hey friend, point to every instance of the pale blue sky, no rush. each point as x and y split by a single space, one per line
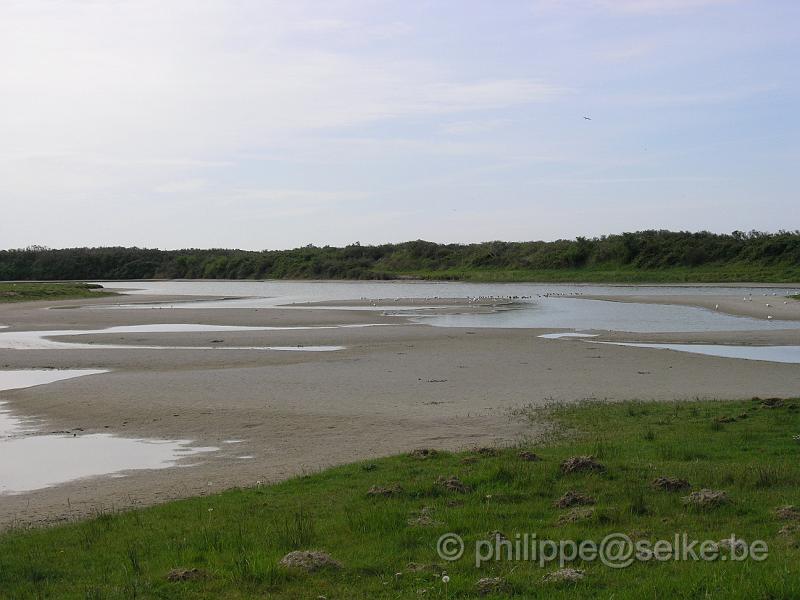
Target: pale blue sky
253 124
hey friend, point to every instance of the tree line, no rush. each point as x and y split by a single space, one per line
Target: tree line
642 250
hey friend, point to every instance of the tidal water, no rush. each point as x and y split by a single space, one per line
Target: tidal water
536 305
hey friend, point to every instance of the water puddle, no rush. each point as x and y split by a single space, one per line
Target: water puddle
29 461
37 462
559 336
41 340
778 354
15 380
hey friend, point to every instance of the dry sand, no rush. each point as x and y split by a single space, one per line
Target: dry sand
394 388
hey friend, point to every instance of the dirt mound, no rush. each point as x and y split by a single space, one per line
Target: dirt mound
497 536
423 453
486 451
385 491
576 515
424 518
413 567
453 484
490 585
706 498
788 513
581 464
186 575
773 403
565 575
571 498
309 560
727 544
529 456
670 484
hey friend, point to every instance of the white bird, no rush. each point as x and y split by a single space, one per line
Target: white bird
769 316
716 307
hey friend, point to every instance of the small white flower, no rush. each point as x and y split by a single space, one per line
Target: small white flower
446 579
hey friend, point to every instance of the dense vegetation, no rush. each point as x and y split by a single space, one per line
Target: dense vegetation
640 256
229 545
25 292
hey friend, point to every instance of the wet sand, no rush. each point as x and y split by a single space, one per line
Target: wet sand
394 388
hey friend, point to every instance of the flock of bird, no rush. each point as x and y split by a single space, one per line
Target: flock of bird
749 298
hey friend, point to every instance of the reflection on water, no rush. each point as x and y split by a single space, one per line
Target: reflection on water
780 354
29 461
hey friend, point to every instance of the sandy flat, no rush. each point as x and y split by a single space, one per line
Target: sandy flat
394 387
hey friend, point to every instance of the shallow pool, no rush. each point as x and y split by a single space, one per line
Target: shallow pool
601 315
779 354
30 460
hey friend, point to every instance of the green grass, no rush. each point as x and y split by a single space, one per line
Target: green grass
27 292
236 538
721 274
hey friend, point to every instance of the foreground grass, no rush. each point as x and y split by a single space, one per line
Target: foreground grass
720 274
26 292
237 538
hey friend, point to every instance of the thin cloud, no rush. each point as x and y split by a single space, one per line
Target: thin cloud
658 7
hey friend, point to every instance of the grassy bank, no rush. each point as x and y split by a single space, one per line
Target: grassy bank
722 274
26 292
386 544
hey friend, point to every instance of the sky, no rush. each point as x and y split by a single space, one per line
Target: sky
276 124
